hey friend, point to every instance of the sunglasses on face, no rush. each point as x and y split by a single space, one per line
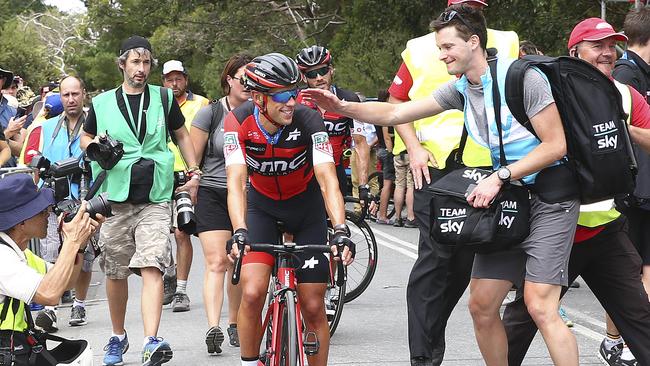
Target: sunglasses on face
285 96
313 74
448 16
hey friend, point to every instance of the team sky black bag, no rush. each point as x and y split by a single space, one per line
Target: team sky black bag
456 224
599 148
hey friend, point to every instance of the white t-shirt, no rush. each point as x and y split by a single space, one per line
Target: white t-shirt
365 129
17 279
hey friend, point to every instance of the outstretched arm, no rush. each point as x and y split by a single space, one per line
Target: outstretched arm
378 113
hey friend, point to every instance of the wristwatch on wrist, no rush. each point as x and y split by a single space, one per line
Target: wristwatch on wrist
504 174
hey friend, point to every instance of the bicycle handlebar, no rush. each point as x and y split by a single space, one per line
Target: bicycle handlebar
286 248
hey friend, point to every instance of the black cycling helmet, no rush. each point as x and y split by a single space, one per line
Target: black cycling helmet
273 70
312 56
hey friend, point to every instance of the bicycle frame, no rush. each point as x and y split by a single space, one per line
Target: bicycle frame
283 280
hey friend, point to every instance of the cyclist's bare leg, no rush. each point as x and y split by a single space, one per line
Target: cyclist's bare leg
486 296
312 306
216 264
254 284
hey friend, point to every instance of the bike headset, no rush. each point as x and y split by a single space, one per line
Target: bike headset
270 71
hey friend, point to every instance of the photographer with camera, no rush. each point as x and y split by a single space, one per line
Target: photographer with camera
57 139
140 184
24 277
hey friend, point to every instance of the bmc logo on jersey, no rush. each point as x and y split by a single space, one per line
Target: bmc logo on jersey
276 165
337 128
605 135
322 143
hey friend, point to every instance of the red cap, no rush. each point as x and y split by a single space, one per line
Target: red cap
593 29
454 2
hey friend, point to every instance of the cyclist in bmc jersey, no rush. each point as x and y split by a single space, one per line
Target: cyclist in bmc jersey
284 146
315 63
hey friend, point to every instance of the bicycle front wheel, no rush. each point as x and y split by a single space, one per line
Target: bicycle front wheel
289 345
361 271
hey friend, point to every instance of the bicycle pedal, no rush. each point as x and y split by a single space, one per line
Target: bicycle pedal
311 344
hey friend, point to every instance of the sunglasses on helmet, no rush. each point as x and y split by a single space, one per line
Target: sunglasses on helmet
313 74
284 96
450 15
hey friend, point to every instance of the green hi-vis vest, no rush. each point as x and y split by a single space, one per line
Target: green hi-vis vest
19 323
440 134
154 146
601 213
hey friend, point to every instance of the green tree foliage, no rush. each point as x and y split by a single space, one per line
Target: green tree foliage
366 37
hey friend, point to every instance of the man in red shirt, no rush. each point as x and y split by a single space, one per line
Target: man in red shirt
603 255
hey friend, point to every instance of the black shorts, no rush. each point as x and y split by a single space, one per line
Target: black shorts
212 210
303 216
388 167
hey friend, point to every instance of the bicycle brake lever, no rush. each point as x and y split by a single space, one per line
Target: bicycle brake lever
236 274
341 272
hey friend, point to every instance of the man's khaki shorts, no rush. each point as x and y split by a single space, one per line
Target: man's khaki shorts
136 237
403 175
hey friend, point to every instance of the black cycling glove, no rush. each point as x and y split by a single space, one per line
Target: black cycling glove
341 239
240 237
364 193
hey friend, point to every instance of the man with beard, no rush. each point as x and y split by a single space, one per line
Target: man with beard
176 78
140 185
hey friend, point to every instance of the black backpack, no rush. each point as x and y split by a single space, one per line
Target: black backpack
599 149
639 76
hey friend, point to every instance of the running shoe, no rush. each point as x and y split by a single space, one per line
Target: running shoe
78 316
156 352
398 223
410 223
114 351
610 356
181 303
629 359
565 318
214 338
233 335
46 320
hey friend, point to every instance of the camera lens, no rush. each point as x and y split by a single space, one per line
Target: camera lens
186 219
99 205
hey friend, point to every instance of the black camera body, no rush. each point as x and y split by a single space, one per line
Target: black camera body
185 216
107 152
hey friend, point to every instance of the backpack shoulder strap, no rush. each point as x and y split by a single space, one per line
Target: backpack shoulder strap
515 91
216 107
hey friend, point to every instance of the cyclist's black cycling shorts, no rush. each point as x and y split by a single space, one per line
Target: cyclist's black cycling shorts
304 216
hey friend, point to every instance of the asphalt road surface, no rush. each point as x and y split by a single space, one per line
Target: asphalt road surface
372 330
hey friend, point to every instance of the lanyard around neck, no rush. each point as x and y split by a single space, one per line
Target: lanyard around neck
272 139
128 109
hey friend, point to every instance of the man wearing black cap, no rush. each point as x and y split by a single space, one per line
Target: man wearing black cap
140 187
24 277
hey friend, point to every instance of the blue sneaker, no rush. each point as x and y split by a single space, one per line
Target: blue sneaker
156 352
114 351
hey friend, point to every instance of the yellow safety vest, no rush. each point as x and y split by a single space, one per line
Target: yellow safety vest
601 213
440 134
189 108
19 323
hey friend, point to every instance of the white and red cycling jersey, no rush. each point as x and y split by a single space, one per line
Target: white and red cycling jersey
281 165
338 126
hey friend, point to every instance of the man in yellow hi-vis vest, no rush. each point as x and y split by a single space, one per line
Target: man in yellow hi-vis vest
176 78
24 277
437 279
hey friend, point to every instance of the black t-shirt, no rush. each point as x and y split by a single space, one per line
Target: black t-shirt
175 118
